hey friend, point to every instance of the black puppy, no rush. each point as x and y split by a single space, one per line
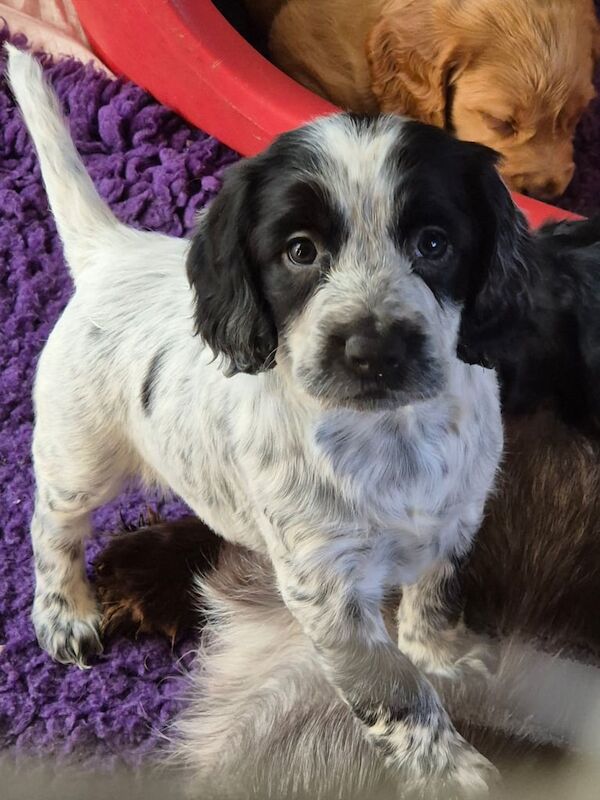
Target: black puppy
550 355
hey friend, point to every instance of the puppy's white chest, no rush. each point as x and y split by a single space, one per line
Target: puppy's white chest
421 479
394 461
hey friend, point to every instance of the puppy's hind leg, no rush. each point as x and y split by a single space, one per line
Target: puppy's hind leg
70 484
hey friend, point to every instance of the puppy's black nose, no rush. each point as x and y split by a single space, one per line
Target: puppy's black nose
373 357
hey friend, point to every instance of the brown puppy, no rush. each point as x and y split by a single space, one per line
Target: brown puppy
515 75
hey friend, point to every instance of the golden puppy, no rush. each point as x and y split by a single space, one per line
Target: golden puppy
515 75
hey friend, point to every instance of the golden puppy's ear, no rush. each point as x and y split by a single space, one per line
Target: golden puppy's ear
410 66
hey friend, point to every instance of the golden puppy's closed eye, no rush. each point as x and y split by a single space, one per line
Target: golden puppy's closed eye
515 75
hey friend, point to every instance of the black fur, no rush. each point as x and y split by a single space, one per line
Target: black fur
244 297
234 262
549 356
456 185
231 315
497 297
150 381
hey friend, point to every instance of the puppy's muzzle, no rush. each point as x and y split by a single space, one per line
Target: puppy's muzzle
379 359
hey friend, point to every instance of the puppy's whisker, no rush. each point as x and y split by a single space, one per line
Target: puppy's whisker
269 361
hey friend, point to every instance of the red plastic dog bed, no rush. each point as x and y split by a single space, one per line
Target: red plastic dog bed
189 57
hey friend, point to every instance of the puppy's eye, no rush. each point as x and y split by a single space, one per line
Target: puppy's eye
432 243
302 251
503 127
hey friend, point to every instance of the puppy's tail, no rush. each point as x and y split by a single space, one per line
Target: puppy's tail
81 216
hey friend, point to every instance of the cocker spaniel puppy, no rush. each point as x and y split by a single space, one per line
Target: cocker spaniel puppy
515 75
300 390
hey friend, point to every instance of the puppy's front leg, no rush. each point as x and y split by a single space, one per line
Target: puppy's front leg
336 598
65 615
74 475
430 627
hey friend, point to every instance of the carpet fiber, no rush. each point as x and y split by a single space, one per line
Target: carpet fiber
155 171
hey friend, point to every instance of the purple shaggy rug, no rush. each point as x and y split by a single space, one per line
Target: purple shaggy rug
156 172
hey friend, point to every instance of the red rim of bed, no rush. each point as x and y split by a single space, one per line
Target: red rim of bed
190 58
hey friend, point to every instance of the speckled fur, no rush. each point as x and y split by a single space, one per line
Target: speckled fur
347 498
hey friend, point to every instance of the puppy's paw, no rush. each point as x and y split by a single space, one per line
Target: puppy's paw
454 654
431 760
479 662
470 774
68 629
452 770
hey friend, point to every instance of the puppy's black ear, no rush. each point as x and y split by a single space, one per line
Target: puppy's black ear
231 313
498 298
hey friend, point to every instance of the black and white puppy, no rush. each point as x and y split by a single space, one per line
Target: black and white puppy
304 396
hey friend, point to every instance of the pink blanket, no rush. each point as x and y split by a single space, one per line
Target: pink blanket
50 25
